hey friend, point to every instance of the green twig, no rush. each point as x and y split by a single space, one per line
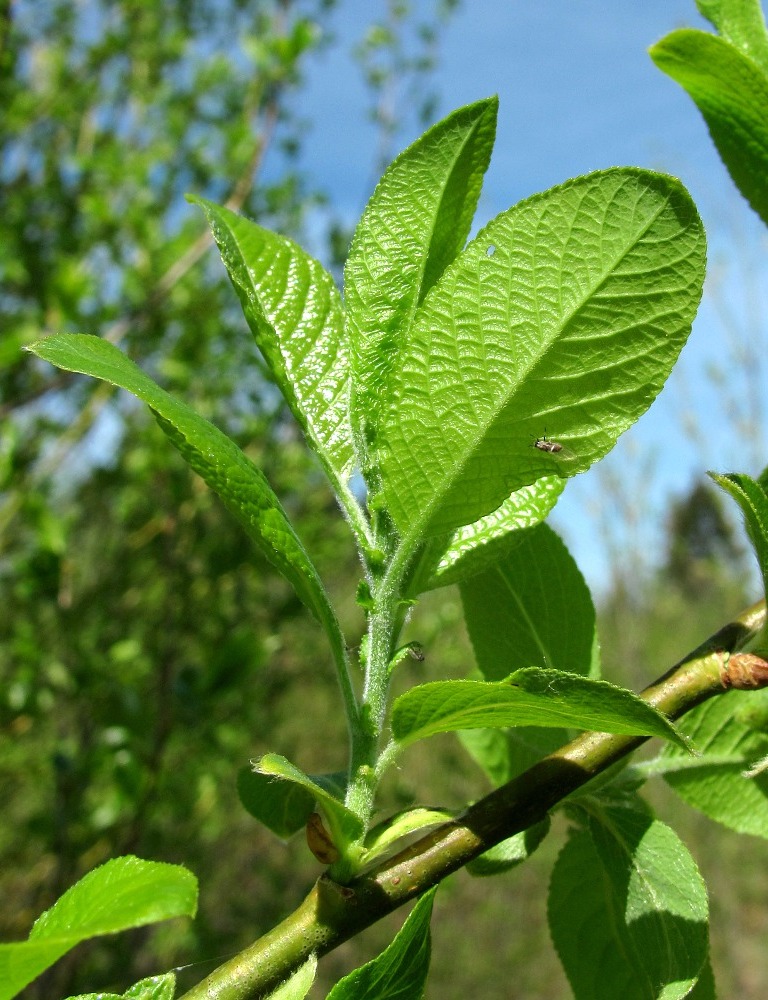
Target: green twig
332 913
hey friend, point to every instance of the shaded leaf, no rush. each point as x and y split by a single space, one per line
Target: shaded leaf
534 607
123 893
527 697
401 970
628 910
282 806
511 852
345 826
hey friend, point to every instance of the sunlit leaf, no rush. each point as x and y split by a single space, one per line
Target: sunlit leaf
123 893
416 222
731 92
563 317
528 697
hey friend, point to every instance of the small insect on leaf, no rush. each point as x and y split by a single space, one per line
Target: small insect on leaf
545 444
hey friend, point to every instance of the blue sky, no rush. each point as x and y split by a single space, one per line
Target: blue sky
578 92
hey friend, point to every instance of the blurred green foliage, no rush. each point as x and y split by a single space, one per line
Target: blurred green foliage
146 652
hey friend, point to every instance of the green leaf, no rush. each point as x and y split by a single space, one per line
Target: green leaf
532 608
300 983
154 988
217 459
628 910
324 789
753 501
728 747
511 852
741 23
416 222
563 317
731 92
474 547
400 971
294 311
282 806
530 696
123 893
386 834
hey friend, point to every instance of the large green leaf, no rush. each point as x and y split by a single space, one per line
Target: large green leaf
294 310
528 697
400 971
217 459
416 222
474 547
741 23
123 893
628 910
728 747
563 317
731 92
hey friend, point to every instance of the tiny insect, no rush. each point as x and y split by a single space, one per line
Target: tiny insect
544 444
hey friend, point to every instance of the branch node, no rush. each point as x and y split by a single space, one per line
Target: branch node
744 672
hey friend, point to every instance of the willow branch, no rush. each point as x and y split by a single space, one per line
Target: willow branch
333 913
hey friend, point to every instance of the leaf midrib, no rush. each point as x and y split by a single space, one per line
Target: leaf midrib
415 531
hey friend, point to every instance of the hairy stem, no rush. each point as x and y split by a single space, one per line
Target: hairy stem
332 913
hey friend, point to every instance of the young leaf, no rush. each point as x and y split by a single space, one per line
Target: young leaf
282 806
731 92
300 983
213 456
533 607
294 311
324 789
123 893
741 23
563 316
474 547
511 852
153 988
528 697
400 971
728 747
628 910
753 501
414 225
385 834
